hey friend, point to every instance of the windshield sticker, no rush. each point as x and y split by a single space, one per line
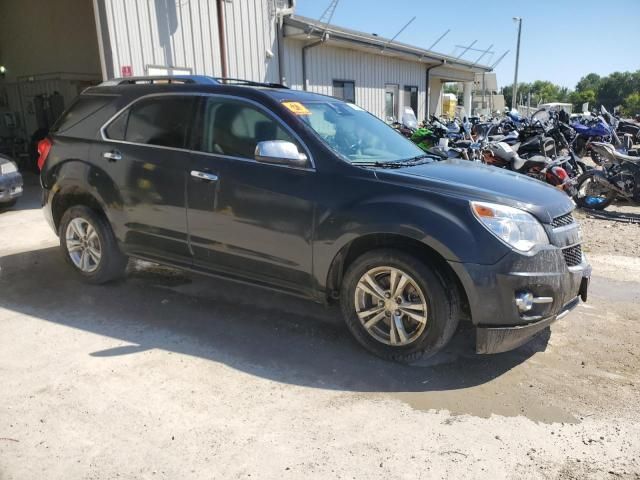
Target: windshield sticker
297 108
355 107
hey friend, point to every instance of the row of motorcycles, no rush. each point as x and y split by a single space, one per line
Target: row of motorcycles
549 146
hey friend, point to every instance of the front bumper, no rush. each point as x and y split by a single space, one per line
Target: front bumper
503 339
10 187
492 289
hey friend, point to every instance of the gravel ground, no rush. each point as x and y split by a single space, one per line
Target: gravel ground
612 241
167 375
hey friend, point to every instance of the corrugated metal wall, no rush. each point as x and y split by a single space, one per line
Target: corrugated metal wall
369 72
184 34
178 33
252 51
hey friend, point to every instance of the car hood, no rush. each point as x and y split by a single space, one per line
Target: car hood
473 181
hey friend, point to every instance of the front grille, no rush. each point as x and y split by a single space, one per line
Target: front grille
572 255
562 220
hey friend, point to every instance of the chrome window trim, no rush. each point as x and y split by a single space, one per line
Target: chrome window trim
217 95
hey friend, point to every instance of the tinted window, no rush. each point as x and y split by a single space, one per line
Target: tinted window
411 98
117 128
234 128
344 90
81 108
160 121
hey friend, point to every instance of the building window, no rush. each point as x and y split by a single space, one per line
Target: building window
345 90
391 104
411 98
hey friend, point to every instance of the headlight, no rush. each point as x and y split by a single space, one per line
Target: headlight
7 168
514 227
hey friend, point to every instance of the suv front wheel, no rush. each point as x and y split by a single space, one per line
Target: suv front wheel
89 245
398 307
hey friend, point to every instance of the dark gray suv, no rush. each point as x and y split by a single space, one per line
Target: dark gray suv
309 195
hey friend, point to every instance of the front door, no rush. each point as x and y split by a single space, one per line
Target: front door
247 218
146 156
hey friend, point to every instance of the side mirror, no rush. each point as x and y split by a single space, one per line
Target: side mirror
280 152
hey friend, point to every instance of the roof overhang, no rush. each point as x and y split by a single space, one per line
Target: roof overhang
305 29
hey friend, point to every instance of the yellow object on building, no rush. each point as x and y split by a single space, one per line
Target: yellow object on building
449 104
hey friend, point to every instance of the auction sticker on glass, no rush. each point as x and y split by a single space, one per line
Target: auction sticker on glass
297 108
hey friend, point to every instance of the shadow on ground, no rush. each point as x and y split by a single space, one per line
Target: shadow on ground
262 333
625 217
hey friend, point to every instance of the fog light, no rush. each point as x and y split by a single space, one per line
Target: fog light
524 301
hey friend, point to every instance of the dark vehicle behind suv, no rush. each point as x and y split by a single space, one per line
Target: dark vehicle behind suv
312 196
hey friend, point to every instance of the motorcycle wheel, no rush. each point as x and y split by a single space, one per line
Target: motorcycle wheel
591 195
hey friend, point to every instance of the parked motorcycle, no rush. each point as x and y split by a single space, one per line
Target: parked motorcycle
619 177
542 168
600 128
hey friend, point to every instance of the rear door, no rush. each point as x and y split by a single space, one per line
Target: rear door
146 156
248 218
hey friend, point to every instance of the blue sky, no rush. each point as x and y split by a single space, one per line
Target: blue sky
562 40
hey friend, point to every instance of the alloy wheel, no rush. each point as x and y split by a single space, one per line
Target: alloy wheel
83 245
391 306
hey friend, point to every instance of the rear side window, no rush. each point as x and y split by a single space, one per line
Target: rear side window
83 107
163 121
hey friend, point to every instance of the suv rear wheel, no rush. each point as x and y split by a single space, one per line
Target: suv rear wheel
397 307
89 245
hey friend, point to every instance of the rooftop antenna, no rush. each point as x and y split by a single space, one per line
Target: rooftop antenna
396 35
325 19
430 49
473 49
438 40
467 48
483 54
499 59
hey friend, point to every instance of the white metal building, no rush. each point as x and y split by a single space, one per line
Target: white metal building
263 40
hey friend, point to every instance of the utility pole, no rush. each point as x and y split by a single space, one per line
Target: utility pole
514 98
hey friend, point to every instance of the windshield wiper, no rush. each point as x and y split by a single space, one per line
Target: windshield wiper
410 162
407 162
416 160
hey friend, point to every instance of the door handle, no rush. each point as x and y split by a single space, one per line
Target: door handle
209 177
112 156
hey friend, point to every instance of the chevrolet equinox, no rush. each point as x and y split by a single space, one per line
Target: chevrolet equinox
310 195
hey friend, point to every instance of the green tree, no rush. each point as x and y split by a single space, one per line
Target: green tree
589 82
619 88
615 88
507 92
578 98
631 105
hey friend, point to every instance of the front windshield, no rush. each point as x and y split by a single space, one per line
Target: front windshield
541 116
355 134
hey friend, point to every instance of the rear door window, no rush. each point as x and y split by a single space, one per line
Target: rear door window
164 121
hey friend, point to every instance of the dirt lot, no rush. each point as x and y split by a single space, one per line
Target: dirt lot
168 375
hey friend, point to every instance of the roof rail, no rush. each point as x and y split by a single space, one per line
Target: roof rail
248 83
187 79
181 79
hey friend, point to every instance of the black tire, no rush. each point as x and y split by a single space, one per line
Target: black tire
443 309
112 262
583 201
9 204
